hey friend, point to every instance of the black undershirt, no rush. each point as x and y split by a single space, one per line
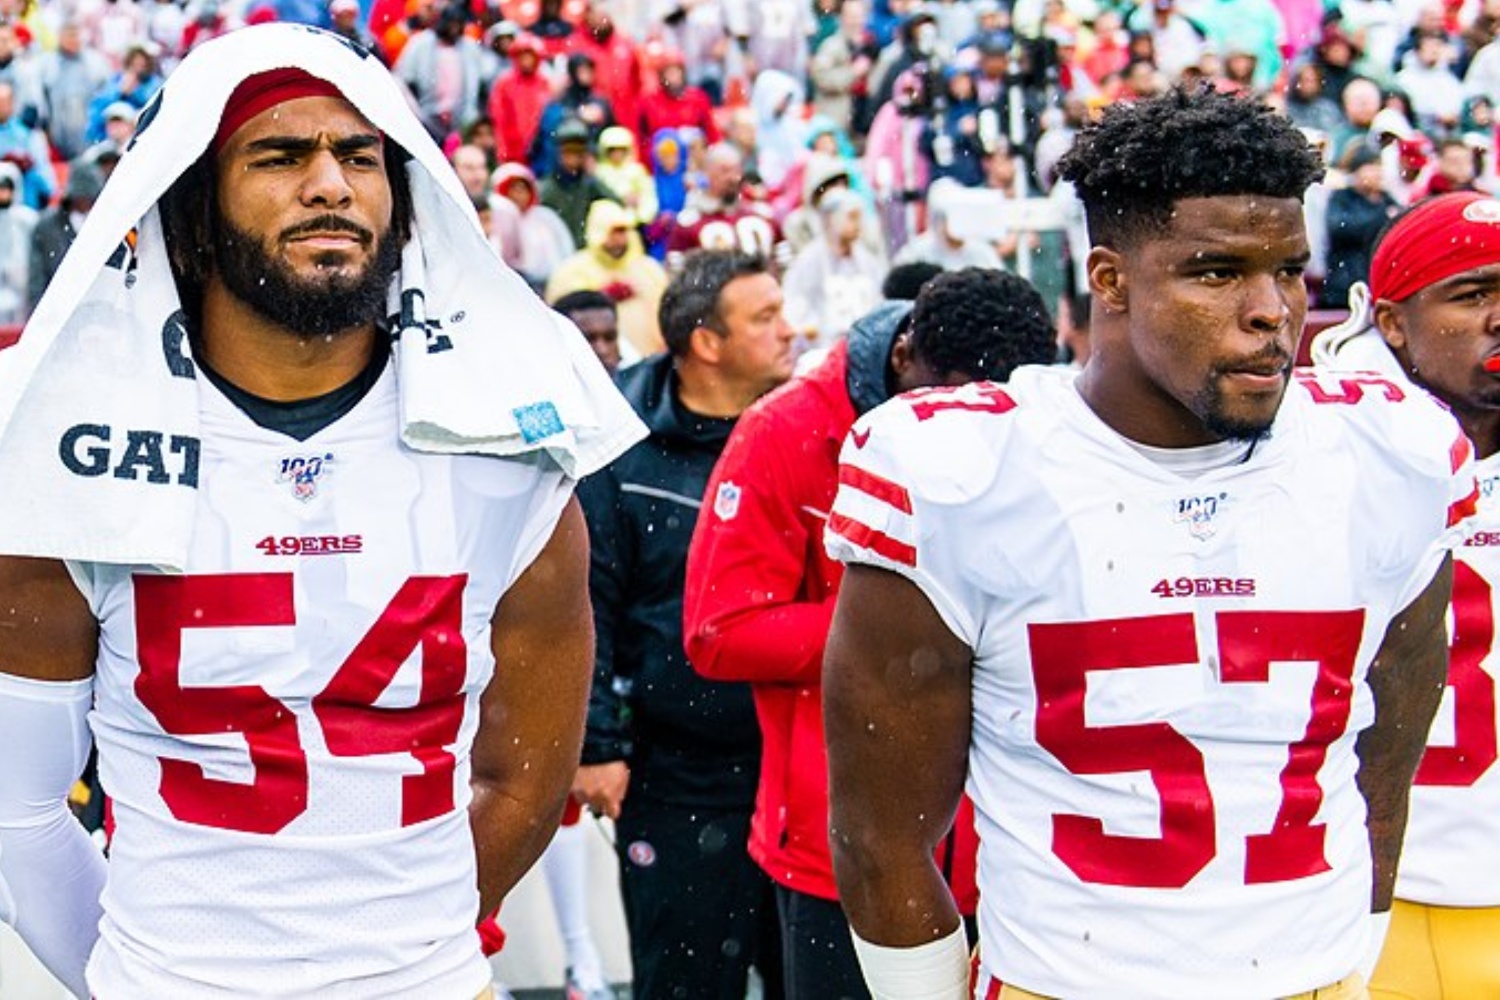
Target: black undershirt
300 419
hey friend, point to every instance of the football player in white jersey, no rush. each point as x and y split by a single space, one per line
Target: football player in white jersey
1177 619
411 700
1434 290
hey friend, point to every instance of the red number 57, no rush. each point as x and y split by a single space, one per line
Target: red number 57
426 614
1062 656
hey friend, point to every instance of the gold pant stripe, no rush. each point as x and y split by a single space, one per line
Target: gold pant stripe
1349 988
1439 953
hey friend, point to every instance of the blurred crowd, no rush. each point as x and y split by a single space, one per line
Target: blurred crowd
602 139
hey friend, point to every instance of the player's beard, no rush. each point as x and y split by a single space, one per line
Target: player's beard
1209 407
331 301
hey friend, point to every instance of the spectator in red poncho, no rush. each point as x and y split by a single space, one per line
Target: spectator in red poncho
518 98
617 64
674 104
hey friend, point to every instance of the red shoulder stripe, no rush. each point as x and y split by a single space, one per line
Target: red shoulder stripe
1467 507
878 487
876 541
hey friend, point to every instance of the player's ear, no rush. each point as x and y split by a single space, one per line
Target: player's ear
1107 279
1390 323
706 344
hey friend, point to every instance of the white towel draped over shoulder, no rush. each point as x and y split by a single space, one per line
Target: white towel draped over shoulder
98 400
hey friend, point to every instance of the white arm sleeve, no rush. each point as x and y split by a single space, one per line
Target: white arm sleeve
938 970
51 875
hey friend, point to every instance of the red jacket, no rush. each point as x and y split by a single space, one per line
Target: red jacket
661 110
759 602
515 106
758 605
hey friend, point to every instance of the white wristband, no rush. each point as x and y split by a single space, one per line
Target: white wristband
938 970
1378 925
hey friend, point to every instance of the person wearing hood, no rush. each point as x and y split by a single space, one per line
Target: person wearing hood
671 757
26 147
676 103
780 131
581 101
669 169
1356 215
916 47
571 188
617 73
818 175
16 225
825 142
621 171
613 261
533 238
58 226
951 139
761 588
696 31
517 99
835 279
319 790
943 243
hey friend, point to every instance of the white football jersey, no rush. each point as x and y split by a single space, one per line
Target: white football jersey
1451 856
285 728
1168 672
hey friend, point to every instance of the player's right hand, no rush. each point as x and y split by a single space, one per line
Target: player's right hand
600 788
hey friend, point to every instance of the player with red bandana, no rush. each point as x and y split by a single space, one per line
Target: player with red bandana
1430 315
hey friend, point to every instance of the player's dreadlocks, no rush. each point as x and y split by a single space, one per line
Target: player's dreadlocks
981 322
1139 159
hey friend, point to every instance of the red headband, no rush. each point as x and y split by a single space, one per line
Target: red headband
266 90
1441 237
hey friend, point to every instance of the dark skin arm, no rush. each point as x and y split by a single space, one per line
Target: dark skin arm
47 632
896 702
1407 678
532 713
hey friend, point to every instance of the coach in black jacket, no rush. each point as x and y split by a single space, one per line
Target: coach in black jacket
672 757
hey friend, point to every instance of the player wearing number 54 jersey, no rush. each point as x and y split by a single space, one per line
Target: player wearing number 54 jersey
1431 316
331 633
1174 617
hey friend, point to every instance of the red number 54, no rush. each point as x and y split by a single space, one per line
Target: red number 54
426 614
1062 656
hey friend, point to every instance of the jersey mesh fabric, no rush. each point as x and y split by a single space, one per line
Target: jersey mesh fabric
1109 680
1452 852
353 892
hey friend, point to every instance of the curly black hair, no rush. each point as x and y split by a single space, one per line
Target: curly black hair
982 322
1139 159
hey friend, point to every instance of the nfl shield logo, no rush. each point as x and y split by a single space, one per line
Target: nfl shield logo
727 501
303 472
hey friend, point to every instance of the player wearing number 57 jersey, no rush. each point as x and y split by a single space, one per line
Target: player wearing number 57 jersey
1433 308
1174 617
336 674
